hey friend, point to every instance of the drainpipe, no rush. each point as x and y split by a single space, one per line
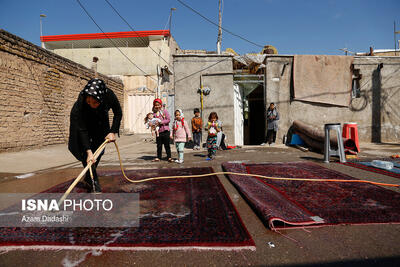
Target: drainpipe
94 66
158 83
201 96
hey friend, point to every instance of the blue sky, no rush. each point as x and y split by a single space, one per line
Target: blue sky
293 27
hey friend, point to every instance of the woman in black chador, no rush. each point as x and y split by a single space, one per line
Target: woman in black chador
89 125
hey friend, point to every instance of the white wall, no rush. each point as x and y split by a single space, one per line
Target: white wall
113 62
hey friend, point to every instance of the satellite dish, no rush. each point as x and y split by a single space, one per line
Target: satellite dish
269 49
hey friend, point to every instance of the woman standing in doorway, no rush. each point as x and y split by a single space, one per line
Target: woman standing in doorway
164 133
272 121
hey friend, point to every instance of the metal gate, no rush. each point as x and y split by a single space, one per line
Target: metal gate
238 114
138 107
171 108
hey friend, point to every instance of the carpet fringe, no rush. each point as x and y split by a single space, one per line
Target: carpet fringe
103 248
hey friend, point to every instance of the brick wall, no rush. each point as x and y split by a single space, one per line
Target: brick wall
37 91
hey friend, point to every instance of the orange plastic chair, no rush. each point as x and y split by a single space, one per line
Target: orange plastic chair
350 131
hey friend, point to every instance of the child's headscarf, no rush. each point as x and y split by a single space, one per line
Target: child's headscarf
157 100
181 112
182 120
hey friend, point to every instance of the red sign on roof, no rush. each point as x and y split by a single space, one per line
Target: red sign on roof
107 35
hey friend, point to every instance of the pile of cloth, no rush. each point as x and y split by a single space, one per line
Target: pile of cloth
314 138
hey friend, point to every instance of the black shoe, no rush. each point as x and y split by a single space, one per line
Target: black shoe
88 184
97 187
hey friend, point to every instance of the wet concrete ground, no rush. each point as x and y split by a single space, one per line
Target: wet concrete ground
350 245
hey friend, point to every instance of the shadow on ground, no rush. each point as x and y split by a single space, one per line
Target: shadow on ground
148 158
315 159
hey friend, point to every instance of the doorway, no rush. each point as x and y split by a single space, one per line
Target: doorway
253 103
255 122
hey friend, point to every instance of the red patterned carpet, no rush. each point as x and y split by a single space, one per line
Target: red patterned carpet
174 214
395 172
285 204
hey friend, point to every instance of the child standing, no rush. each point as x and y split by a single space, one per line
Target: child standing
150 120
179 133
212 128
197 124
272 121
164 133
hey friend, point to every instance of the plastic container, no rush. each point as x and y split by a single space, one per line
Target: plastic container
387 165
296 140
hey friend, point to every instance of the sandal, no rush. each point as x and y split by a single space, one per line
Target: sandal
156 159
170 160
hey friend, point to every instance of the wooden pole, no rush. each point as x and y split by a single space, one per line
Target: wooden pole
219 29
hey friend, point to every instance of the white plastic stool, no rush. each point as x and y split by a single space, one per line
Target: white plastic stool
327 144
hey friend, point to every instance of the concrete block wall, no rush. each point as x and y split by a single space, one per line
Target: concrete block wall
217 75
376 111
37 91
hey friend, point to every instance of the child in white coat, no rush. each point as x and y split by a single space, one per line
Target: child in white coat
180 134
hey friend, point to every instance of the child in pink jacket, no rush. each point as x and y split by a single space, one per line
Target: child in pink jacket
180 133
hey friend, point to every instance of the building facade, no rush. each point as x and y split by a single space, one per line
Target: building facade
138 58
374 108
212 73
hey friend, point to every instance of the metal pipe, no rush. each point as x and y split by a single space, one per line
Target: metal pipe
158 83
218 73
244 81
41 28
249 75
170 24
201 96
394 36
